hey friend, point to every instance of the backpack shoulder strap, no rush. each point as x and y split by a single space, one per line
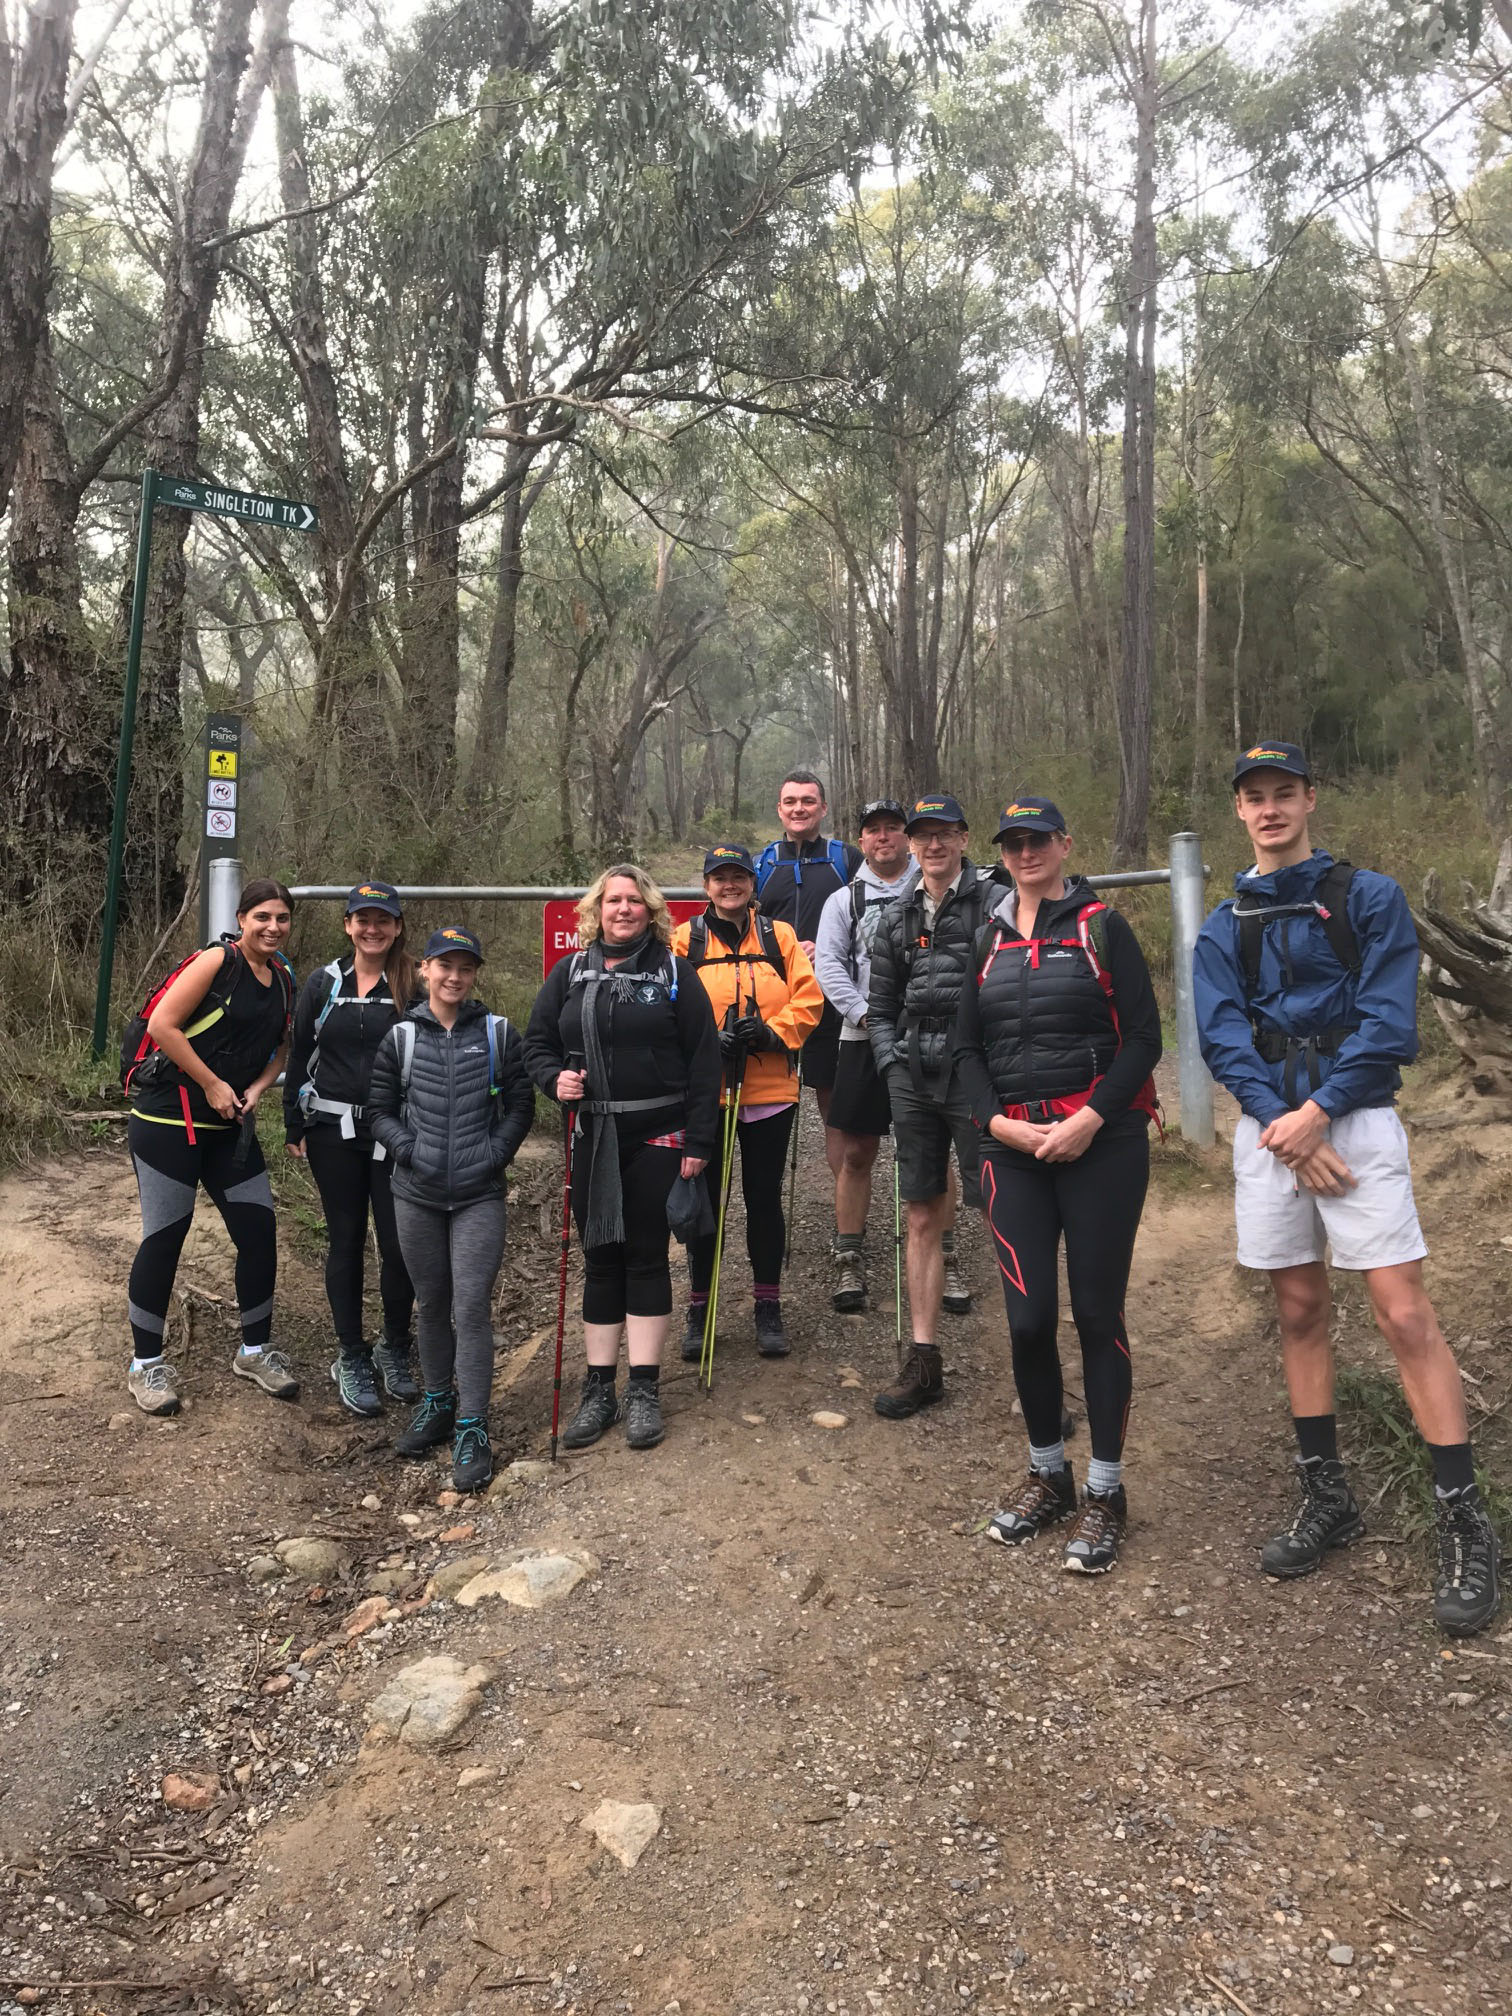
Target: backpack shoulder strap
766 861
698 939
1251 924
771 945
404 1043
857 900
335 973
1092 930
837 859
1333 913
498 1035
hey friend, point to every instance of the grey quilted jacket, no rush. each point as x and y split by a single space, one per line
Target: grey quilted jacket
456 1128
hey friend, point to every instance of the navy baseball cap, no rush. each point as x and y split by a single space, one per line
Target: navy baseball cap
728 855
937 805
453 938
375 896
1031 815
1273 756
880 808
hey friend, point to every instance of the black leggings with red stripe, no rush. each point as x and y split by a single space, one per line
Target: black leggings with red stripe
1095 1202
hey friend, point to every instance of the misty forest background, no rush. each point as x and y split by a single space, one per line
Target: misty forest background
1049 395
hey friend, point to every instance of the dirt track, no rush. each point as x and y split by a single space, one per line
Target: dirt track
898 1769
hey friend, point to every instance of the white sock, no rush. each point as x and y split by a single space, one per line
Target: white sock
1104 1478
1049 1461
251 1350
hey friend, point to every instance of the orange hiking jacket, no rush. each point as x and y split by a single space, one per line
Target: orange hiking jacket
792 1006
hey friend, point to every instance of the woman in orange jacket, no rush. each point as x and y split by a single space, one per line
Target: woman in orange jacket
766 1001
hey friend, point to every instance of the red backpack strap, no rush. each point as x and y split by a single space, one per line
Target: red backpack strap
1088 944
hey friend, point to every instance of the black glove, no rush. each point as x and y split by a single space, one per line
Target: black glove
756 1034
729 1045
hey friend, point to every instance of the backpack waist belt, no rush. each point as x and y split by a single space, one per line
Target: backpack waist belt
344 1111
629 1105
1045 1112
1276 1047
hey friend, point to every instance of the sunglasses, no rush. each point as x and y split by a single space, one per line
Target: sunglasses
1022 843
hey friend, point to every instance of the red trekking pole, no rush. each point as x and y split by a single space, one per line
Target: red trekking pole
569 1116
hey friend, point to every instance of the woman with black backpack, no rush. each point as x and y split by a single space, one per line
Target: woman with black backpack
345 1010
214 1041
1057 1034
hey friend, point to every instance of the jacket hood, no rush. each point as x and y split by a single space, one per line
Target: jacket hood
1286 885
896 886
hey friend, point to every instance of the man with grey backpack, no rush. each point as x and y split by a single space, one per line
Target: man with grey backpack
451 1103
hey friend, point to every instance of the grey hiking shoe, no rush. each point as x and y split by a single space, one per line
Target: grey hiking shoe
956 1298
595 1416
1467 1594
848 1297
1092 1548
472 1455
392 1364
354 1381
1327 1517
1043 1499
642 1416
154 1386
268 1369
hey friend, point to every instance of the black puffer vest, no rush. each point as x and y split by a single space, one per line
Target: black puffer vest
917 976
1047 1023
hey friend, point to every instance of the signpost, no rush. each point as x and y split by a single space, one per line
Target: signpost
559 938
278 514
223 751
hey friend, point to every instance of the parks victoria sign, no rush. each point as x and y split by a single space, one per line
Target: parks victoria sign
282 514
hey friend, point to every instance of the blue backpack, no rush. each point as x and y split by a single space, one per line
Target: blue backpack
771 854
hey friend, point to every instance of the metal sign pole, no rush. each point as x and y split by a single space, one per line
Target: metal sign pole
123 764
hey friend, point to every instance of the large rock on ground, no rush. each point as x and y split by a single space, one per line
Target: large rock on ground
454 1575
312 1560
625 1830
531 1577
428 1702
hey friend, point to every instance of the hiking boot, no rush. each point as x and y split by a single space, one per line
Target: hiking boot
391 1362
154 1386
693 1333
596 1415
1468 1594
771 1338
356 1385
268 1369
433 1422
642 1415
1327 1517
1043 1499
849 1295
956 1299
1092 1547
920 1383
472 1455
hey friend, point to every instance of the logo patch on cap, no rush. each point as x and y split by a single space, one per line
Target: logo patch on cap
1266 756
1022 811
929 805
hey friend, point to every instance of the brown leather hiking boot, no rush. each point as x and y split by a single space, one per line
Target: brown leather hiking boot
920 1383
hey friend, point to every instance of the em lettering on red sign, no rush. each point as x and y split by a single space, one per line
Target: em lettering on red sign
559 938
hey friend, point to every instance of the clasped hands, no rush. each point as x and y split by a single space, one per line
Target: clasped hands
1300 1140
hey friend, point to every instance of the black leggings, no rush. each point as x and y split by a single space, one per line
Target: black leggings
1096 1202
631 1278
763 1153
350 1182
169 1172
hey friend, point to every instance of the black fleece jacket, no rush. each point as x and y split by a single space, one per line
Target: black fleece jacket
450 1137
654 1046
343 1053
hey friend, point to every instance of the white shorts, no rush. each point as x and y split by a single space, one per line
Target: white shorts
1281 1224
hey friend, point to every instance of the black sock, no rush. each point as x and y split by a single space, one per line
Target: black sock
1453 1466
1317 1437
645 1375
601 1375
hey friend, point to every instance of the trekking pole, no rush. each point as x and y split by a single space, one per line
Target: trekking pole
726 1174
787 1244
569 1117
897 1253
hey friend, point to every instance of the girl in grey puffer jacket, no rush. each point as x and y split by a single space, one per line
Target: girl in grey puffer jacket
451 1102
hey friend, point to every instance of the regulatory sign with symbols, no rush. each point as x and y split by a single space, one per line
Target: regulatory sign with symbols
559 939
223 734
281 514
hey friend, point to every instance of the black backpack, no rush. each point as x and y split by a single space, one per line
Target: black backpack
766 934
1330 906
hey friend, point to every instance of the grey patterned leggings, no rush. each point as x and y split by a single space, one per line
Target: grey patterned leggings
453 1258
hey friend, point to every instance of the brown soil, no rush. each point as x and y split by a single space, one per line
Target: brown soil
898 1769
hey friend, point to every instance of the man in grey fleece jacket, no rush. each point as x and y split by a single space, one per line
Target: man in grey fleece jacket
859 1114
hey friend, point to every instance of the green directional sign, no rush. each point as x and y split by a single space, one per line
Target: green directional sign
282 514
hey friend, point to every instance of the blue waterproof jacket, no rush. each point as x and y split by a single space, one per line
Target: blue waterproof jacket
1304 990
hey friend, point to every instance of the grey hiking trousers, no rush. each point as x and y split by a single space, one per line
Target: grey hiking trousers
453 1258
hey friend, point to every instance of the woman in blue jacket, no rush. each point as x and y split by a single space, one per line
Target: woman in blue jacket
451 1103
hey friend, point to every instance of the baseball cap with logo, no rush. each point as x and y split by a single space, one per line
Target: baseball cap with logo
454 938
728 854
1031 815
1272 756
375 896
880 808
937 805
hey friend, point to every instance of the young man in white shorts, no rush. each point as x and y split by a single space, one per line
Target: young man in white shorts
1306 985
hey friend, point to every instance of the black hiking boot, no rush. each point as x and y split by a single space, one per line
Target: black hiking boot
771 1338
1327 1517
1092 1545
1468 1593
594 1418
472 1455
355 1384
1043 1499
642 1415
392 1364
920 1384
433 1423
693 1333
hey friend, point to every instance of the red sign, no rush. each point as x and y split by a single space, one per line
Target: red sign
559 938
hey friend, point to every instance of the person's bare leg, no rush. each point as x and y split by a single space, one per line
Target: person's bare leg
1304 1305
926 1263
601 1342
1430 1377
645 1337
851 1158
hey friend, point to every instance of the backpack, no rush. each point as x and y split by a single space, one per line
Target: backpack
771 854
981 895
1331 908
138 1048
766 934
404 1043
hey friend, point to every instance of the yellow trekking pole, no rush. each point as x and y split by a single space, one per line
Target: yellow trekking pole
731 1118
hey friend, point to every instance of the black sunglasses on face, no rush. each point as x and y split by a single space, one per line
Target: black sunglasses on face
1019 843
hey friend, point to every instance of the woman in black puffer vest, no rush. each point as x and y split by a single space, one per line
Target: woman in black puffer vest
451 1102
1057 1035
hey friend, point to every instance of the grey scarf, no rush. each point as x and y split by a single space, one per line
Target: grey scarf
604 1220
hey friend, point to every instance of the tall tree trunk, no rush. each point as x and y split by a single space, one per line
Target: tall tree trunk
1136 679
33 111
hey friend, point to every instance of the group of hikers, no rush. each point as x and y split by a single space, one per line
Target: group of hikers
1005 1018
